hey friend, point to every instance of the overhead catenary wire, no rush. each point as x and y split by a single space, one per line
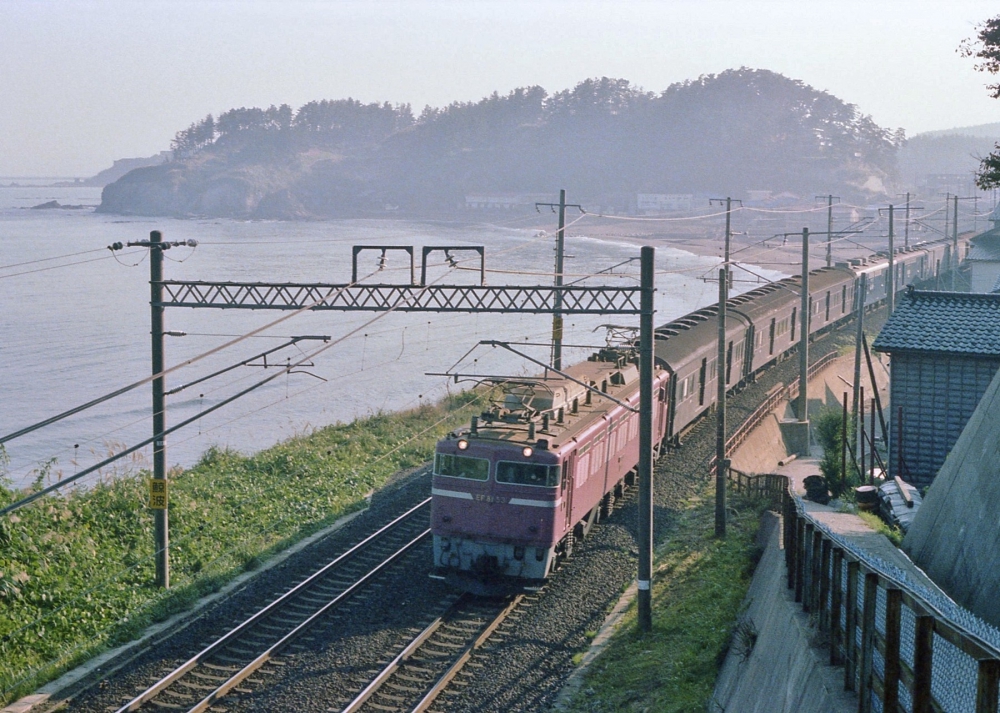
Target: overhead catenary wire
159 436
56 267
237 338
315 386
148 379
49 259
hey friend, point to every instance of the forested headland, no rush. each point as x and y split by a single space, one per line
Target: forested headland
604 140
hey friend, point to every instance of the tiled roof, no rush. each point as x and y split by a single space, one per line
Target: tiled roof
986 251
952 322
996 287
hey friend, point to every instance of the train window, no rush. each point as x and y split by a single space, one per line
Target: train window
461 467
701 382
544 476
599 456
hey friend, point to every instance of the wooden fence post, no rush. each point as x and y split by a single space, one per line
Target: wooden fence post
815 561
851 627
836 599
987 683
824 585
892 670
800 559
807 567
866 665
791 525
923 659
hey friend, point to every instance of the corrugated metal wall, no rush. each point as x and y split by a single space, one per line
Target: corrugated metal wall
938 395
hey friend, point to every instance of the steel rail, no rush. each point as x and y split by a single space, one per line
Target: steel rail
198 658
442 683
288 638
419 641
393 666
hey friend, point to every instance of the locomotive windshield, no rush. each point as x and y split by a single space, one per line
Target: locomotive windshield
462 467
528 474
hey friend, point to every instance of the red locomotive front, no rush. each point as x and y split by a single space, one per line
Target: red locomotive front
508 492
494 511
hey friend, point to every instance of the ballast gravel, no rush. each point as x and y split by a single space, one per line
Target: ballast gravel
521 668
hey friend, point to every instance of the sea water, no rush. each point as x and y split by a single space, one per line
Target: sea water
75 324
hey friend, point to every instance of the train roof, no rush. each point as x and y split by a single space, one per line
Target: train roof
622 384
765 299
683 339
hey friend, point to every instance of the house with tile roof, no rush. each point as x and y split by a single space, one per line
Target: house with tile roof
944 350
984 257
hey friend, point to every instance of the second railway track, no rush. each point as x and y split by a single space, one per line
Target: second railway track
415 678
209 675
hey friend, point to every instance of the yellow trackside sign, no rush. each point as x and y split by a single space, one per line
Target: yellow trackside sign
157 494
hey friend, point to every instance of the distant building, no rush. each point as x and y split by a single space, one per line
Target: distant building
505 201
664 202
984 256
944 349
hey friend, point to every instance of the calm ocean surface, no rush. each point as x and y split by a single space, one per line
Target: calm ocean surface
74 324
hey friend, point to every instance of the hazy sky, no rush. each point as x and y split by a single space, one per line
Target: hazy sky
85 82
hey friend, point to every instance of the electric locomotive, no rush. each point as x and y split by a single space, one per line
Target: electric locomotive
510 492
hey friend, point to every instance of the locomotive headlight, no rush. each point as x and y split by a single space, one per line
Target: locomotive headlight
462 444
527 451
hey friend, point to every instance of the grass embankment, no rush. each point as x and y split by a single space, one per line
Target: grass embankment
698 585
76 571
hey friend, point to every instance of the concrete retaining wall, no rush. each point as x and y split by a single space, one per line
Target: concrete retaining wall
783 672
786 670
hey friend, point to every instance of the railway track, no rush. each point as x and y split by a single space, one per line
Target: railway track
208 676
423 670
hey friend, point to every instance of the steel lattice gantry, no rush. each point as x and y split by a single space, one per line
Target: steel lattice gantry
508 299
403 298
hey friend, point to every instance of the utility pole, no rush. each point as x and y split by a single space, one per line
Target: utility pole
951 263
891 280
906 226
729 232
160 515
859 394
804 343
890 275
954 247
721 463
829 228
645 573
557 319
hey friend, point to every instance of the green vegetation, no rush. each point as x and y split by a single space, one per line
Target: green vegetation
76 571
829 433
698 585
337 158
985 48
876 523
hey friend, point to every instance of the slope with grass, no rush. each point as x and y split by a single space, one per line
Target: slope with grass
76 571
